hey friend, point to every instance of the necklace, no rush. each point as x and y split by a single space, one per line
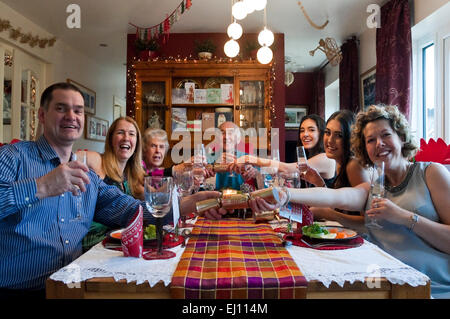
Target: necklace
404 180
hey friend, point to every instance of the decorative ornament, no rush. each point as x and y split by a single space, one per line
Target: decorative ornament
16 34
163 28
331 50
309 19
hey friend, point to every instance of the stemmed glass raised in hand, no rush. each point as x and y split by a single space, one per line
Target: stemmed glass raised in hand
184 180
82 159
158 200
198 167
376 191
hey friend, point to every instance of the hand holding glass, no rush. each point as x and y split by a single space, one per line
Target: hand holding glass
377 191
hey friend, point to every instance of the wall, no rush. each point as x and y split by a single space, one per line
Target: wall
62 62
300 92
367 47
181 45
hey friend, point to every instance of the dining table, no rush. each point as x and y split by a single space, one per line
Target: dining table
238 259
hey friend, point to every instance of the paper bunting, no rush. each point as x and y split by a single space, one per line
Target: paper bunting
163 28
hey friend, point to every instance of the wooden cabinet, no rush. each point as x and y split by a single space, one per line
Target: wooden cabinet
174 94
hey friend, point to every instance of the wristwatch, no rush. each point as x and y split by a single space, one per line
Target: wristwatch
414 220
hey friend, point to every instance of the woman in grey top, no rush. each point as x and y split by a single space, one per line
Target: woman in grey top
414 214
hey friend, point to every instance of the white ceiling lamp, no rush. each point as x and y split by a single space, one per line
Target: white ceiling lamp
234 30
260 4
266 37
249 5
239 10
231 48
264 55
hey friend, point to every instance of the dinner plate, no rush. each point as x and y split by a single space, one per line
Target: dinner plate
350 234
116 235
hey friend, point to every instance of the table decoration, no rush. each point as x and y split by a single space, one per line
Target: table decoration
232 258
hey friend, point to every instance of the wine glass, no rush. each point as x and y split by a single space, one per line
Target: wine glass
158 200
185 183
269 174
301 160
198 167
376 191
78 198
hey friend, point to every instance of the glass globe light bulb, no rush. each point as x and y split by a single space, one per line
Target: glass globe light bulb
260 4
264 55
266 37
234 31
249 6
238 10
231 48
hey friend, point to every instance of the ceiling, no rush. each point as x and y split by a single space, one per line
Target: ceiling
107 21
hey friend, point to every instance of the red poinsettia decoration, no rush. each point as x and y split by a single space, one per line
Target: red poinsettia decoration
435 151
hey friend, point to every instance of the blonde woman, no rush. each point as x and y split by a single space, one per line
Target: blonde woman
120 165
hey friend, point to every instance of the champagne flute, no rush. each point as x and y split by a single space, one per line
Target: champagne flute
301 160
158 200
78 196
185 182
376 191
198 170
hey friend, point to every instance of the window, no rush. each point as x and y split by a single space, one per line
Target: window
429 89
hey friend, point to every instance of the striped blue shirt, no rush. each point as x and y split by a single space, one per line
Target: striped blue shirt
38 237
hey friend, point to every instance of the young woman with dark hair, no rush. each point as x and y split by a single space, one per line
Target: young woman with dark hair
349 171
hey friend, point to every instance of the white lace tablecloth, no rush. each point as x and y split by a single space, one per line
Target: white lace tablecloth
326 266
354 264
102 262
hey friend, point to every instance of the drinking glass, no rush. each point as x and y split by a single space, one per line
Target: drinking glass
376 191
269 174
158 200
199 156
301 160
78 198
185 184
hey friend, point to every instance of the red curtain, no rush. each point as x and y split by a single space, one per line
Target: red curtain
394 56
349 76
318 105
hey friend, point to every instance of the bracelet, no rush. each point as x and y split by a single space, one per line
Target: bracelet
414 220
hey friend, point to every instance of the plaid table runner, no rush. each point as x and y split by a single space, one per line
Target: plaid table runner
233 258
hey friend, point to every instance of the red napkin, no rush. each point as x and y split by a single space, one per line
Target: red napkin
133 237
351 243
433 151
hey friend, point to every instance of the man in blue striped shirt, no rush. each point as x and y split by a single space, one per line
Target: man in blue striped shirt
43 214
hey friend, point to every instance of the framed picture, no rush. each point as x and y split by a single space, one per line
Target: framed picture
96 128
88 95
293 115
7 102
368 88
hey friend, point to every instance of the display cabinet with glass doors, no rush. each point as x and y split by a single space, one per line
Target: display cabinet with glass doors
186 98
